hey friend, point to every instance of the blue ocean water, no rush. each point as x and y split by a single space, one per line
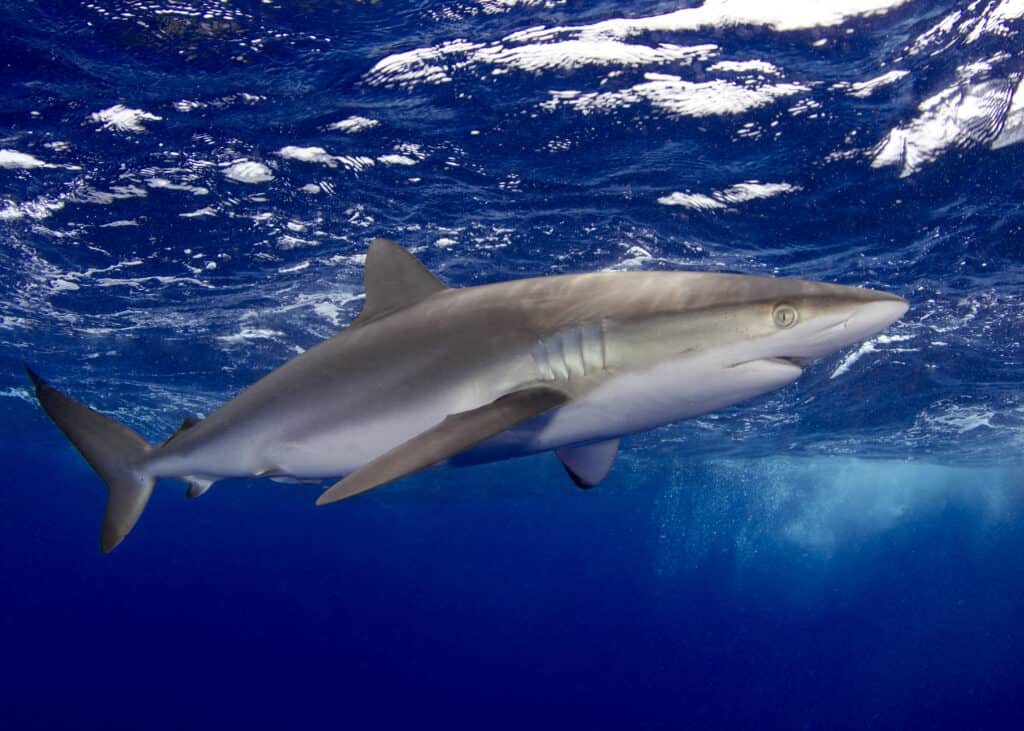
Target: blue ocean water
187 190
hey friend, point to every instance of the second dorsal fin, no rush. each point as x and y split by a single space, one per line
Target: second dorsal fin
393 279
187 423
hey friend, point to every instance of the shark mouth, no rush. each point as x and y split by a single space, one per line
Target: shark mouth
783 360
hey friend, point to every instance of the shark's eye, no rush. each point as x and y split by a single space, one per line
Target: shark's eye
785 316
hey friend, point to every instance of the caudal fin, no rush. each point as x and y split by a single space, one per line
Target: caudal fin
110 448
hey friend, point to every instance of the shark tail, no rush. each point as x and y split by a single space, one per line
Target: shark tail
112 449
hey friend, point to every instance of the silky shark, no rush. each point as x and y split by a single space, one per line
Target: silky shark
429 375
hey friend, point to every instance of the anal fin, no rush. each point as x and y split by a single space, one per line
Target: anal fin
455 434
589 464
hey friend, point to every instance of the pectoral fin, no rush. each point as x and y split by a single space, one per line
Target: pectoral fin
456 433
589 464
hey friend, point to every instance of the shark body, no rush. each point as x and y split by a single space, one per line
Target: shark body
434 376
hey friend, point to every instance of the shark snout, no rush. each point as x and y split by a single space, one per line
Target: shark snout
860 322
873 317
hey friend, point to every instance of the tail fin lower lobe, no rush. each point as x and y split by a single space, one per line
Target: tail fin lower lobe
110 448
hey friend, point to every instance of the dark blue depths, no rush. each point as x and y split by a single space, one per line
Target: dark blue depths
466 607
843 554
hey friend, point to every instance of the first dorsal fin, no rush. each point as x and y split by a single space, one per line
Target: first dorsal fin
394 279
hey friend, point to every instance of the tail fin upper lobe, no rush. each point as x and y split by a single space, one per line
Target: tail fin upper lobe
110 448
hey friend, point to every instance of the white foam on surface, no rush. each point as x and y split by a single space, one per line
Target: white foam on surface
696 201
36 209
329 311
677 97
1009 10
319 156
200 213
635 257
952 418
744 67
302 265
308 154
575 54
188 105
721 199
431 65
941 32
780 16
354 124
18 393
14 160
248 334
755 190
64 281
493 7
288 242
165 184
436 64
689 99
967 28
864 89
120 118
396 159
984 107
148 280
248 171
996 21
95 196
962 115
1012 132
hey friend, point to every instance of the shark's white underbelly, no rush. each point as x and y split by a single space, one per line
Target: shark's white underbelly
637 401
